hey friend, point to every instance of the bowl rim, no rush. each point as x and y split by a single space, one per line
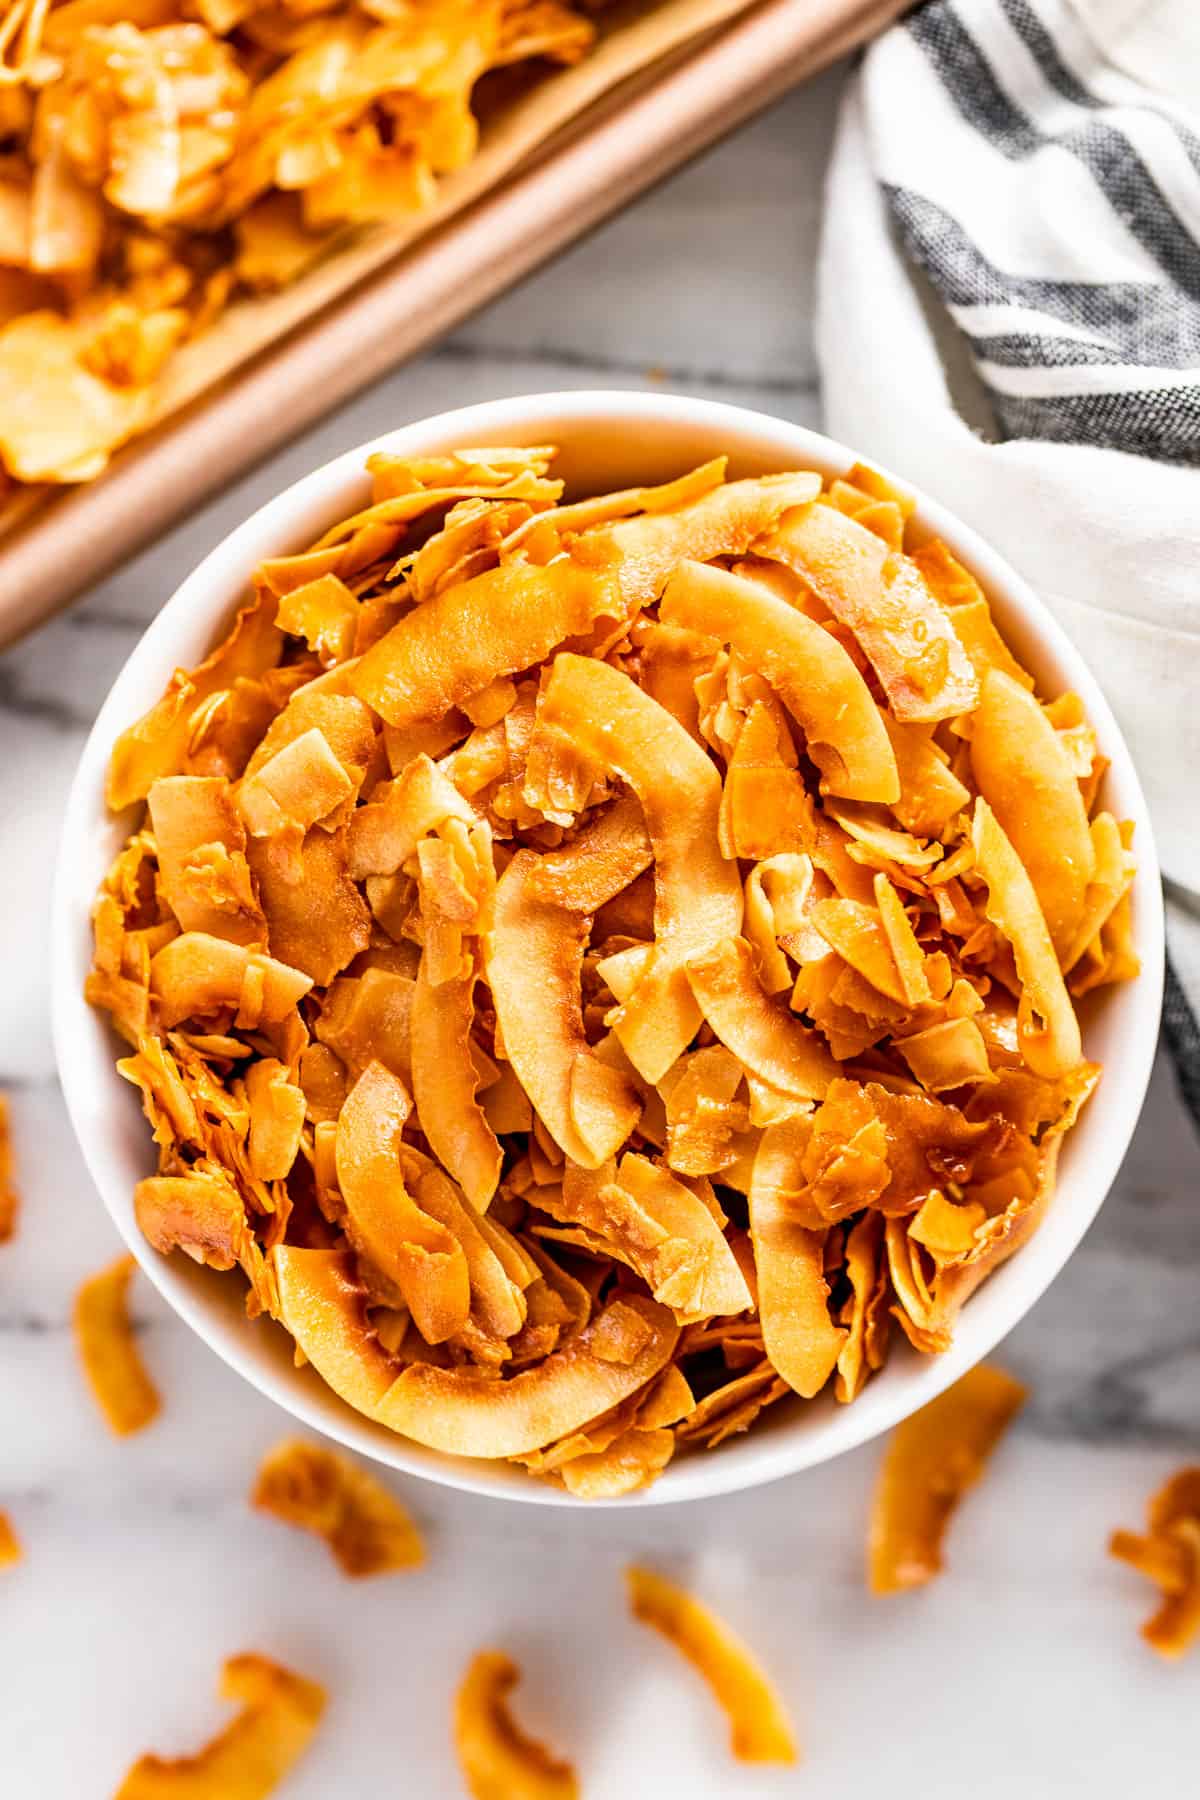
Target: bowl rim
210 591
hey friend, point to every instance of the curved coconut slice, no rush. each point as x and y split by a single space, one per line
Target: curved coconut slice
1053 1046
800 1338
766 1038
497 1291
202 869
423 1257
609 852
725 522
445 1081
697 896
1024 773
324 1306
497 1757
806 665
660 1229
196 974
503 621
881 595
588 1107
158 743
465 1414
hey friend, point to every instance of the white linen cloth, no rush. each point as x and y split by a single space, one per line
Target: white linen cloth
1009 313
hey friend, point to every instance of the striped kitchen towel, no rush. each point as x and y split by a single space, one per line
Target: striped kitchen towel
1009 313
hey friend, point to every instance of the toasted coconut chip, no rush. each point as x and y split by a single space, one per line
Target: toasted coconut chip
660 1228
882 597
947 1055
642 552
588 1107
765 807
202 1213
634 1460
324 1306
368 1018
116 1374
671 659
930 793
776 908
422 1256
733 1407
610 851
468 1414
196 975
280 1711
445 1082
1047 1028
325 613
9 1198
203 874
801 1339
498 1269
386 831
1025 776
320 705
706 1126
498 1760
1112 876
760 1728
865 1314
320 1490
697 899
158 743
858 935
498 624
302 785
1169 1555
277 1113
759 1030
10 1543
804 663
932 1458
316 918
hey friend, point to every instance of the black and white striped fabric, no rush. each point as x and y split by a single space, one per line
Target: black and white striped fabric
1086 180
1050 199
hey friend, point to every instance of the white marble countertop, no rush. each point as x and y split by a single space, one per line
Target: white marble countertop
1020 1672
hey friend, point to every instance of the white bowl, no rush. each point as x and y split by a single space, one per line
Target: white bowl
609 440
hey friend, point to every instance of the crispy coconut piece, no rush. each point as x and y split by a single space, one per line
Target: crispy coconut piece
697 898
1024 773
932 1458
1169 1555
203 874
446 1080
760 1731
801 1339
320 1490
116 1374
660 1228
642 552
324 1306
498 1760
467 1414
9 1199
1047 1028
500 623
279 1713
158 743
881 595
10 1543
422 1256
759 1029
588 1107
807 667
